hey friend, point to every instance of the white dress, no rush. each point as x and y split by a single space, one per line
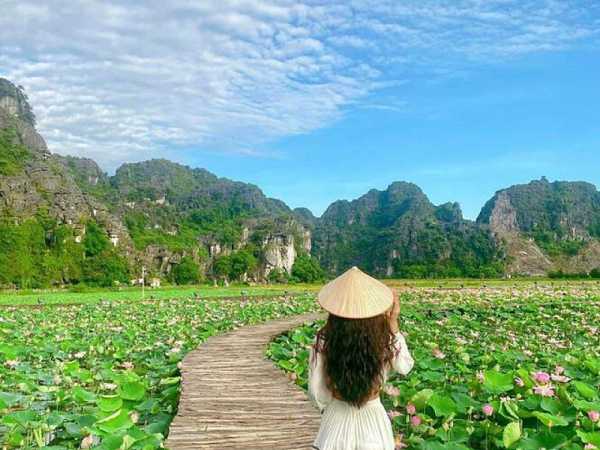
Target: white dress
346 427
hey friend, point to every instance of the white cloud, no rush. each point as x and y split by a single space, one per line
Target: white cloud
125 80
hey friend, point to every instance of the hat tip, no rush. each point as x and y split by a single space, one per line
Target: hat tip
354 268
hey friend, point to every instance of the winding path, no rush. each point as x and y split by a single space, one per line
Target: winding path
234 397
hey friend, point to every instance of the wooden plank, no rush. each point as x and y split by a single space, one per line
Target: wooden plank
233 397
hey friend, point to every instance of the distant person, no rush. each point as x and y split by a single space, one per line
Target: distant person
350 360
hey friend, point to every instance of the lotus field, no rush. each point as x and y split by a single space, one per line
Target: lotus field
105 374
514 368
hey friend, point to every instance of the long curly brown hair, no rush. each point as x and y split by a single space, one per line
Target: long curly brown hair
355 352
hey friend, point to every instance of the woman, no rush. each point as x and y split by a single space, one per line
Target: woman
351 359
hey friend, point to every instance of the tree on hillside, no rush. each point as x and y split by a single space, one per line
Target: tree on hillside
241 262
187 272
106 268
277 275
307 269
222 266
95 240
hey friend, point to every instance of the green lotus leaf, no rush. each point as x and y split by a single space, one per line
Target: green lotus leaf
74 430
133 390
110 403
511 434
497 383
421 398
544 439
433 376
587 406
593 364
23 418
585 389
10 399
16 440
444 446
589 438
111 443
285 365
551 420
8 351
117 421
82 396
442 405
551 405
169 381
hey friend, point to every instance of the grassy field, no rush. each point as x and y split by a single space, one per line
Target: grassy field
29 297
135 294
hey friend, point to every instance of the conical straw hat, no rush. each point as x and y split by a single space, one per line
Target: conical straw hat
355 295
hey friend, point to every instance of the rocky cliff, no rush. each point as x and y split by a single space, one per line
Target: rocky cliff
547 226
156 212
42 181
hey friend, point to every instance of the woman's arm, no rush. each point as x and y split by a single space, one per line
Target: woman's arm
393 313
318 392
403 361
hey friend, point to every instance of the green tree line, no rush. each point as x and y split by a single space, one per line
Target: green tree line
38 253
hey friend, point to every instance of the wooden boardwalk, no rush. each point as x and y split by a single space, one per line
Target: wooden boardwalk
234 397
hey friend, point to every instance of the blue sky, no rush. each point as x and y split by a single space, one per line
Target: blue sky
319 100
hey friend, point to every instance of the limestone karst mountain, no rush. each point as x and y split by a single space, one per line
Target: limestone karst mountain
547 226
64 220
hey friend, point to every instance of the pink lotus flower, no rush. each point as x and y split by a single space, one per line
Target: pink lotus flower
392 391
57 379
594 416
393 414
438 354
461 341
293 376
527 352
12 363
480 377
519 382
399 444
589 447
87 441
487 409
541 377
545 390
559 369
560 378
415 421
127 365
410 409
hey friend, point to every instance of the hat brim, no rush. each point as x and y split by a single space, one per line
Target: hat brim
355 295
